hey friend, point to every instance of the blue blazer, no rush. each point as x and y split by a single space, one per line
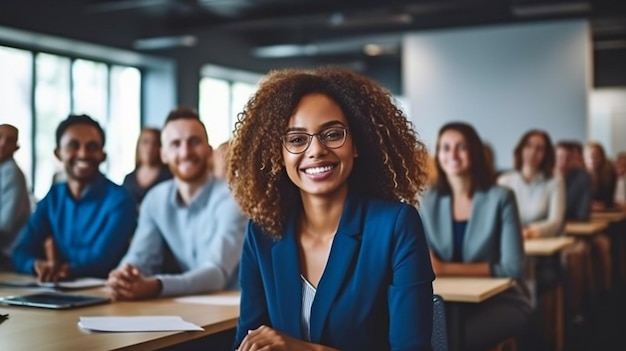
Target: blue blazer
493 234
375 292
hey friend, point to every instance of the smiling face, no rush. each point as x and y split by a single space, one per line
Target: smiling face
186 150
453 154
81 152
319 170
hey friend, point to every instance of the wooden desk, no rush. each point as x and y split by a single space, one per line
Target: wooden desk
457 292
610 216
616 232
546 246
549 248
470 289
42 329
585 228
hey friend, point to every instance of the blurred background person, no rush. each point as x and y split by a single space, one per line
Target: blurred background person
14 197
190 231
603 184
540 199
473 229
577 181
620 184
89 219
540 195
220 160
603 176
149 168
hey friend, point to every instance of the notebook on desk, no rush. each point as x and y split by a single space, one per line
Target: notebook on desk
54 300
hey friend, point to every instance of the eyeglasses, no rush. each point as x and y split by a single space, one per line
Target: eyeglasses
299 142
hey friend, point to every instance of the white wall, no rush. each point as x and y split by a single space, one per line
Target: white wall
607 119
503 80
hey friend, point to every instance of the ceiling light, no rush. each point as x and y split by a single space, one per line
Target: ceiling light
546 9
165 42
285 50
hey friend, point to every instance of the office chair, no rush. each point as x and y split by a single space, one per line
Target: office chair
439 338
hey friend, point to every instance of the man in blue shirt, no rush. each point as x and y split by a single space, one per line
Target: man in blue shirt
193 217
89 218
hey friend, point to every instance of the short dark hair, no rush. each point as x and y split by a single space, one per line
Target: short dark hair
571 145
183 112
481 172
74 120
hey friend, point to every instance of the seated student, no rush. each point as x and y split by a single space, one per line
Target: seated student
620 184
328 168
578 208
603 177
540 194
14 197
577 181
473 229
220 158
603 184
89 218
540 197
193 218
149 169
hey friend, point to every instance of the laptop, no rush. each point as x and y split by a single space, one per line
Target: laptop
54 300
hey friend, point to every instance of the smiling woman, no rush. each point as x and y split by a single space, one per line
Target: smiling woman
327 167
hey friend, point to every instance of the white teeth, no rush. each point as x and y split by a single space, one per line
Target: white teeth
318 170
82 164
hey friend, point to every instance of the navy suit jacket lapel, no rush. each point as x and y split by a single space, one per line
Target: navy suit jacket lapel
287 282
339 266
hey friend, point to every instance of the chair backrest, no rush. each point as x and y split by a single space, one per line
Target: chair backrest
440 332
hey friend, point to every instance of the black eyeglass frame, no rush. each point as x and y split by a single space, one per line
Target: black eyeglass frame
320 137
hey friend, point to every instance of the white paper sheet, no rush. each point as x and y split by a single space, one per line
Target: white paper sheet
211 300
136 324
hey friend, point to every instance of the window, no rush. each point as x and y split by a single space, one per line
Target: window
52 105
215 109
42 89
16 86
223 95
123 124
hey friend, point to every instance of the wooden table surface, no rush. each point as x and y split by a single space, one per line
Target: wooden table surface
470 289
585 228
44 329
611 216
547 246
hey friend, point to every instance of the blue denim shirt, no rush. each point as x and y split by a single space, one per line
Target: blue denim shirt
91 233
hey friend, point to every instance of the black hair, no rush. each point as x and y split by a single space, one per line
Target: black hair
74 120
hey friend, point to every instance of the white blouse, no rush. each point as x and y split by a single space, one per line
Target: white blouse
308 294
541 202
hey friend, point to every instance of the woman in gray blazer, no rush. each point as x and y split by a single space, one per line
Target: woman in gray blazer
473 229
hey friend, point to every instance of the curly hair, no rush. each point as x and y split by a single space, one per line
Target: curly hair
393 160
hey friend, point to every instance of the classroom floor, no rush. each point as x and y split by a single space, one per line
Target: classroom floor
603 326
